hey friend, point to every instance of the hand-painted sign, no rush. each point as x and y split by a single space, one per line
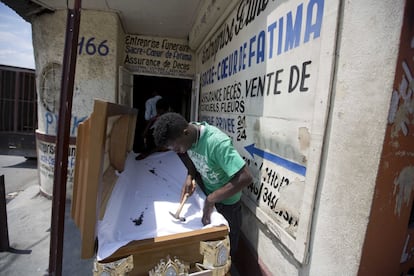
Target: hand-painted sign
260 74
46 146
158 56
292 166
90 47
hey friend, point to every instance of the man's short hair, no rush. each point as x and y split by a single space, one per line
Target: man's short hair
168 127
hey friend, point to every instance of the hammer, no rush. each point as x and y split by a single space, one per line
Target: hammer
177 214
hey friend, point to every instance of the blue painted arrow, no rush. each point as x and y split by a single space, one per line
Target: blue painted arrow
299 169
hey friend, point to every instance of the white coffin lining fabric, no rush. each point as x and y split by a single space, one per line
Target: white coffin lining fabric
142 199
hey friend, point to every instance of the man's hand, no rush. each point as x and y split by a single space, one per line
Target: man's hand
188 187
207 210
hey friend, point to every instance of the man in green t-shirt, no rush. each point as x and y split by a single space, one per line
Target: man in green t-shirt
213 162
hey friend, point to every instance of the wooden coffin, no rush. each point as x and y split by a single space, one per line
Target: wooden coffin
103 142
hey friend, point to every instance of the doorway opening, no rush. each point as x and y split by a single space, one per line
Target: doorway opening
176 91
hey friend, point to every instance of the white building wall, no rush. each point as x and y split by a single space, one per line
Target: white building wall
96 76
364 36
97 60
368 43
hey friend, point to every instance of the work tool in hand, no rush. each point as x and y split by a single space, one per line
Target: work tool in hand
177 214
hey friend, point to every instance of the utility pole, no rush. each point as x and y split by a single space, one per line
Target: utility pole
62 141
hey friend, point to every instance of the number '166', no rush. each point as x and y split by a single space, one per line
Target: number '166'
91 48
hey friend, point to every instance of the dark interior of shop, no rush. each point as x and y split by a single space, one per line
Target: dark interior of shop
176 91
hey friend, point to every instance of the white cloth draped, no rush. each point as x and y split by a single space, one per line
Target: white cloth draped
142 199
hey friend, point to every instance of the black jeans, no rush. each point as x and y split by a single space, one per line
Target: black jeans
233 214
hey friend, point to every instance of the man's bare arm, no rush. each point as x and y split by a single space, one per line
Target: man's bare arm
240 180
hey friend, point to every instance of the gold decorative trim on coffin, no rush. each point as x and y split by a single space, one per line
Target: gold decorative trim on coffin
169 267
216 256
117 268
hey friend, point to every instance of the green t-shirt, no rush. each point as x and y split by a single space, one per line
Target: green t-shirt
216 159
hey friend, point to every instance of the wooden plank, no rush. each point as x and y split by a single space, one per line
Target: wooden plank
186 246
118 143
146 261
108 183
80 171
90 191
131 133
93 178
170 241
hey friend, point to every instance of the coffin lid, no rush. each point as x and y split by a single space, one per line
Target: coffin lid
102 144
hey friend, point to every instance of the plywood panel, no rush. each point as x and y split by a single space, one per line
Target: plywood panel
89 169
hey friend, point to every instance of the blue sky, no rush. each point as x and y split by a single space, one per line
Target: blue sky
16 46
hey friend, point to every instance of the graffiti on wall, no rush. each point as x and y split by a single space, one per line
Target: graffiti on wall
392 206
52 119
401 117
401 114
158 56
258 85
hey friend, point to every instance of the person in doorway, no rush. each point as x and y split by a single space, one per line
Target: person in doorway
150 105
211 154
162 107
